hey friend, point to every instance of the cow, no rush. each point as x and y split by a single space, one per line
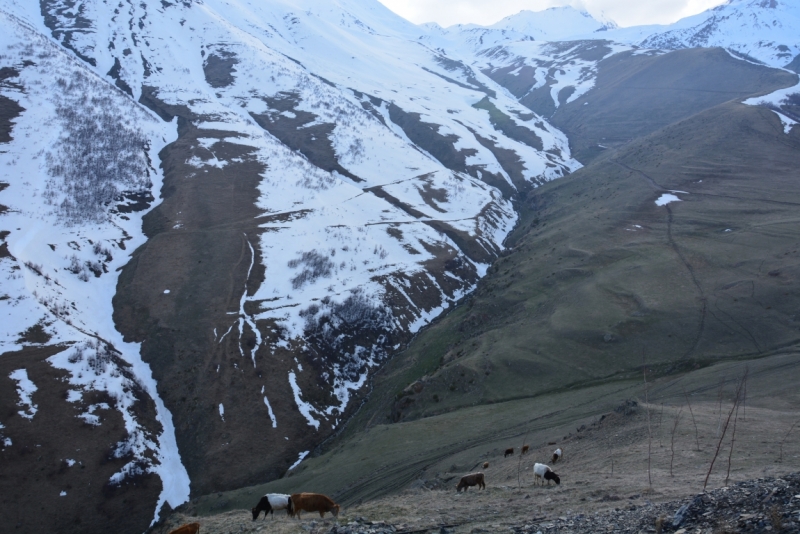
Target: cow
509 452
543 472
271 502
188 528
313 502
473 479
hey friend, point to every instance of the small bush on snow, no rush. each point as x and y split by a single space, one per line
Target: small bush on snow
98 156
315 266
348 333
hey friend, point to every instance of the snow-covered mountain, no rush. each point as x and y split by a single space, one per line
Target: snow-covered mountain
554 51
554 24
764 30
551 57
383 177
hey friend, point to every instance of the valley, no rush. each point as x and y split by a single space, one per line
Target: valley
309 246
614 281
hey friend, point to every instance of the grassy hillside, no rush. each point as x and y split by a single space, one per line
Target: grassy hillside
599 276
597 279
635 95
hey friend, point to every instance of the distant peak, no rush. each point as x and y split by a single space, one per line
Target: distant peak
555 23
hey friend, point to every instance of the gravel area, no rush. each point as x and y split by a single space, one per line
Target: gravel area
761 505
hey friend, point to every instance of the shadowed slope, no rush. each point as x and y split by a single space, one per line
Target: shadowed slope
599 273
635 95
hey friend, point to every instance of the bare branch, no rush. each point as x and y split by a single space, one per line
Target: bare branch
649 432
784 439
696 435
724 430
672 441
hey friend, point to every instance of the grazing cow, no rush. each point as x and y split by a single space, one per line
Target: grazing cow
271 502
313 502
509 452
541 471
524 449
557 455
473 479
486 465
188 528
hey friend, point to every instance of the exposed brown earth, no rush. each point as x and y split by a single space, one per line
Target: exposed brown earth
9 109
199 248
36 469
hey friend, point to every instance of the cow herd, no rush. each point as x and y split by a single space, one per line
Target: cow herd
316 502
295 503
540 471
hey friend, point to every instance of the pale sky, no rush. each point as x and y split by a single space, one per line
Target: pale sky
486 12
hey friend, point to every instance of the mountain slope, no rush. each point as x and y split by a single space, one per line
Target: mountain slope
602 274
760 30
219 220
319 186
636 94
600 270
84 422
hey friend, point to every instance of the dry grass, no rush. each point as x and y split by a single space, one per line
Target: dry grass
587 483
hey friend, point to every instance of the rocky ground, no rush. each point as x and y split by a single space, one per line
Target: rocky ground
759 505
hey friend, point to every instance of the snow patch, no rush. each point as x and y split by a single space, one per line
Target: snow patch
305 408
300 459
666 198
271 414
25 390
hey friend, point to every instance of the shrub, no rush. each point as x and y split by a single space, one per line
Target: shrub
315 266
349 333
100 154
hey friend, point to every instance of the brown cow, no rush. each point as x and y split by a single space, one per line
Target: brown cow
313 502
509 452
486 465
188 528
525 449
473 479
